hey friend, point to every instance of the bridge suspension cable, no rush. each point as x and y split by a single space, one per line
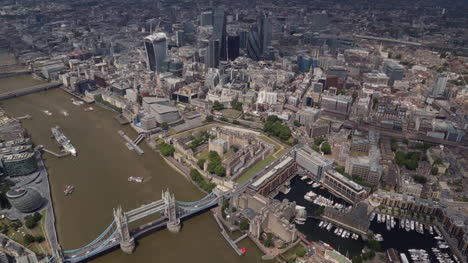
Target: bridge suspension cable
95 240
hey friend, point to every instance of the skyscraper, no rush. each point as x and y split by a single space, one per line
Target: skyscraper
254 44
265 32
219 32
179 38
439 89
206 19
212 54
156 51
233 44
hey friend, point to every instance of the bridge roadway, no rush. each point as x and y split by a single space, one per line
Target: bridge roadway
110 238
30 90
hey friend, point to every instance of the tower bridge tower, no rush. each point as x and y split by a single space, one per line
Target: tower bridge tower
127 243
170 212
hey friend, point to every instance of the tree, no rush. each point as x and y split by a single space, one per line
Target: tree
355 95
164 126
356 259
235 104
218 106
318 140
220 171
28 239
300 251
326 148
405 141
297 123
209 118
201 163
434 171
340 169
29 222
139 99
235 122
223 119
37 216
420 179
39 239
398 56
373 245
244 224
390 54
166 149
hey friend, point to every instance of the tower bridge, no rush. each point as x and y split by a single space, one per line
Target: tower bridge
118 233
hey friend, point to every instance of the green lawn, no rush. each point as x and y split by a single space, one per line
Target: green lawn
337 257
231 113
203 154
255 169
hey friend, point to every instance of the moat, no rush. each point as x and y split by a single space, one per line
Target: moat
100 175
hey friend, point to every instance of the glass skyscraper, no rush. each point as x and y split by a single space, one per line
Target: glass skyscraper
156 51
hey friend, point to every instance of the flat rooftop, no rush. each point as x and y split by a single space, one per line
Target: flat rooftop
272 172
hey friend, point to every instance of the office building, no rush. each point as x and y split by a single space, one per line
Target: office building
212 54
344 187
25 200
156 51
219 33
265 33
180 38
206 19
313 162
439 89
19 164
233 44
254 44
394 71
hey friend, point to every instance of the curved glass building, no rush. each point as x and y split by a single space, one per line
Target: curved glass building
26 200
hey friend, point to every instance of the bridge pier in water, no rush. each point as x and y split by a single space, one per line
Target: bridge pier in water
127 243
173 223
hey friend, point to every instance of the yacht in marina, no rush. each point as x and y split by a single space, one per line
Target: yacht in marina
372 216
407 225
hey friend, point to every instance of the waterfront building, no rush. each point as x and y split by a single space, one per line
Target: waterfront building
344 187
266 215
313 162
161 109
25 200
19 164
271 179
156 51
357 220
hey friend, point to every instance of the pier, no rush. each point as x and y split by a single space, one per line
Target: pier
131 144
231 242
30 90
58 155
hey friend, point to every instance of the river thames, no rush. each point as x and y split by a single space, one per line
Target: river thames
99 174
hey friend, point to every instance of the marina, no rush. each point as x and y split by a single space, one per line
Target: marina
388 230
